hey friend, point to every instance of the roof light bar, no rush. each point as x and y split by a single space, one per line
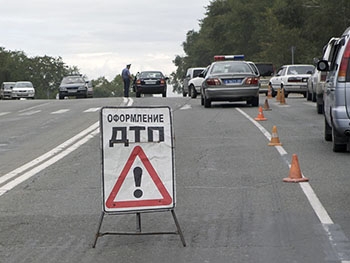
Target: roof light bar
228 57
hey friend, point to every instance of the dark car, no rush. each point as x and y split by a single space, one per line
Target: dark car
76 86
150 82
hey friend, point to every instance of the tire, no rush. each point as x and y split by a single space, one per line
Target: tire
193 92
164 94
338 147
319 108
60 96
308 96
254 101
202 99
138 94
327 131
314 98
184 94
207 102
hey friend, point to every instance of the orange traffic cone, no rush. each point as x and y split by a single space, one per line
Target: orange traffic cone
295 175
278 96
269 91
282 99
275 141
260 116
266 105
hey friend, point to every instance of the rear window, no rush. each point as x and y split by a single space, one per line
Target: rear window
231 67
265 69
71 80
295 70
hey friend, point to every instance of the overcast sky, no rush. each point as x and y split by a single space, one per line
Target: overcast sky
101 36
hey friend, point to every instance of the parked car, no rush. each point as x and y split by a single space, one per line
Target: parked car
23 89
266 70
292 78
318 79
229 78
195 84
337 94
312 82
190 74
150 82
6 90
75 86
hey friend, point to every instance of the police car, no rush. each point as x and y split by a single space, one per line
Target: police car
230 78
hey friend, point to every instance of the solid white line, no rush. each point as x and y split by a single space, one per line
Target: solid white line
307 189
47 163
4 113
47 155
27 113
60 111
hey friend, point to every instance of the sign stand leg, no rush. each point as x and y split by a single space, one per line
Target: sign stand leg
98 229
138 231
178 228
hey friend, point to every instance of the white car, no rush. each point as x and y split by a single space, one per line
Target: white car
195 84
23 89
190 74
292 78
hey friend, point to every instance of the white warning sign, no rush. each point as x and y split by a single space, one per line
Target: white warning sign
137 159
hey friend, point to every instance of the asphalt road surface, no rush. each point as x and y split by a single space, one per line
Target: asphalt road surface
231 202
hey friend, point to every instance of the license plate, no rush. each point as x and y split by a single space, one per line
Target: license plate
150 82
232 81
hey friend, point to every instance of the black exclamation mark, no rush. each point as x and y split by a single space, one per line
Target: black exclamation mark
137 177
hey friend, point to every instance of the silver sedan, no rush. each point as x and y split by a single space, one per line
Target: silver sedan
230 80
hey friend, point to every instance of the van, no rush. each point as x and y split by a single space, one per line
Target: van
6 90
336 94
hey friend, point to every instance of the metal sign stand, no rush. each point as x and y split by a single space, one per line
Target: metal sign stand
139 228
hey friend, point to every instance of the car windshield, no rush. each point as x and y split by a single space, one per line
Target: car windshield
295 70
70 80
151 74
231 67
24 84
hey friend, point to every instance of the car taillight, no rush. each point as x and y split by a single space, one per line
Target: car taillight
344 65
162 81
138 82
213 82
252 81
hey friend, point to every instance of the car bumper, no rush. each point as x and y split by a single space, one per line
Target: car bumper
231 93
151 89
22 95
295 88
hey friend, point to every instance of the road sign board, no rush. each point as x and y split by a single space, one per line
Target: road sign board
137 159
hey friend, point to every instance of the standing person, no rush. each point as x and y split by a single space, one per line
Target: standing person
126 79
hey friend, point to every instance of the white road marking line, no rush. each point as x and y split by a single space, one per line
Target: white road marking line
92 109
48 155
186 107
60 111
4 113
310 194
28 113
49 162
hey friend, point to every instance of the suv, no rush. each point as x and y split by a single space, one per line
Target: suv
76 86
337 94
23 89
191 73
6 90
266 71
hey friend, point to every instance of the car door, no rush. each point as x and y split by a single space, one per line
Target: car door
277 80
331 81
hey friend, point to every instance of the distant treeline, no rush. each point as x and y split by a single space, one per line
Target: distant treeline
263 30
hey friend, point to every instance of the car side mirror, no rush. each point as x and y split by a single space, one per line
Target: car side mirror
323 65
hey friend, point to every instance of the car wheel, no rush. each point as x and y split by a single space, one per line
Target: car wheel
338 147
138 94
60 96
327 131
202 99
164 94
193 92
254 101
184 94
207 102
308 95
304 94
314 99
319 108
